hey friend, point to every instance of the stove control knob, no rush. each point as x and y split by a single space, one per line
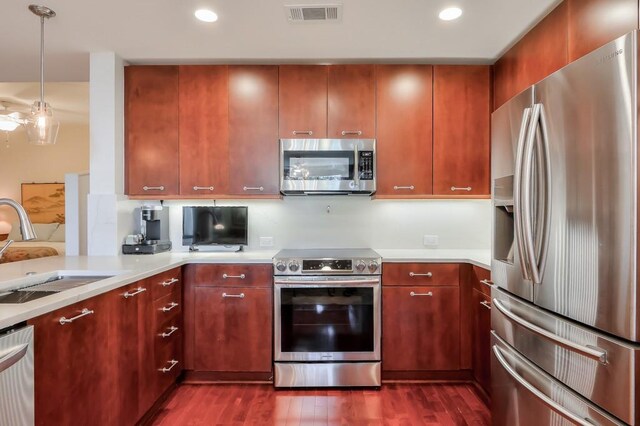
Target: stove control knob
373 266
360 266
281 266
294 266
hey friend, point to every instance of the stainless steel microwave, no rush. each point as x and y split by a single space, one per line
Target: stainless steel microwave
327 166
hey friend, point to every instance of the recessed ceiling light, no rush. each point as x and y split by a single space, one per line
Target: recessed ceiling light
206 15
450 13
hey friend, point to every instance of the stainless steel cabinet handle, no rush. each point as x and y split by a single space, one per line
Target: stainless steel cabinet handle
351 132
173 364
241 276
14 355
169 282
203 188
410 187
459 188
541 396
253 188
302 132
486 304
487 282
238 296
171 331
414 294
415 274
169 307
82 313
153 188
594 353
138 291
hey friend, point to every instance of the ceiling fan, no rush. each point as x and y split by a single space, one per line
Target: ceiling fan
12 115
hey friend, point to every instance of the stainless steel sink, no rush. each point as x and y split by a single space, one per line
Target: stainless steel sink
52 285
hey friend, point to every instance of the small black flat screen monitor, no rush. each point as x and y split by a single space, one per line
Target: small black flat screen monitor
203 226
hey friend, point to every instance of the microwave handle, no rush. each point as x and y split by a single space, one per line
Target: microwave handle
356 166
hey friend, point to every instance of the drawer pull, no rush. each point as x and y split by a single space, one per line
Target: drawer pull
173 364
410 187
203 188
237 296
241 276
351 132
135 293
169 307
82 313
171 331
169 282
414 294
302 132
487 282
486 304
415 274
153 188
253 188
457 188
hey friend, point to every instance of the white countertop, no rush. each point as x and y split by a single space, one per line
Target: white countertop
128 269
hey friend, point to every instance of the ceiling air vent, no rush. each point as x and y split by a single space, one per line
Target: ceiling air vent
314 13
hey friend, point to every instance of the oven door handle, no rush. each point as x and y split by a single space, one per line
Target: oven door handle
327 283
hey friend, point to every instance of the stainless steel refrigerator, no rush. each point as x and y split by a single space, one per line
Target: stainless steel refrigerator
565 318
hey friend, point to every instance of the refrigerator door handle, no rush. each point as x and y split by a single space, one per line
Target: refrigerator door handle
544 220
517 188
594 353
537 393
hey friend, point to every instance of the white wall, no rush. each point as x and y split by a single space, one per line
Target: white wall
21 162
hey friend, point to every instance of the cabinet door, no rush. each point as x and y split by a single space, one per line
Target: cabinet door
74 373
430 323
351 100
204 135
461 147
482 340
233 329
253 130
404 114
151 130
303 101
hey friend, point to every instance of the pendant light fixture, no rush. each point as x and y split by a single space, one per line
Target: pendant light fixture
42 128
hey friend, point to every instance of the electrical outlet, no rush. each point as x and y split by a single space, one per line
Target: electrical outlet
430 240
266 241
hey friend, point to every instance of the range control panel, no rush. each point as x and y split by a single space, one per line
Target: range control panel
365 165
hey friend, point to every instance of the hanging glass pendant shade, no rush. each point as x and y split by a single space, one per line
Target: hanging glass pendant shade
42 127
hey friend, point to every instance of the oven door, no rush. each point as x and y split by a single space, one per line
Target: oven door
327 318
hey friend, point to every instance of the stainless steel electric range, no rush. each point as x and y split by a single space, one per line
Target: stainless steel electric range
327 318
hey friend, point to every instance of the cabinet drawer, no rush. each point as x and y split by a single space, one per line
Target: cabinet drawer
166 308
420 274
231 275
165 283
168 360
482 274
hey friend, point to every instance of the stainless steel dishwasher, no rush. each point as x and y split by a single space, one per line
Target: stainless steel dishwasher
16 377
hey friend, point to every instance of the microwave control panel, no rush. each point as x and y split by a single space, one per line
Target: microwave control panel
365 165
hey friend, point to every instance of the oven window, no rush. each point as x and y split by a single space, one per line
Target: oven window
334 319
318 165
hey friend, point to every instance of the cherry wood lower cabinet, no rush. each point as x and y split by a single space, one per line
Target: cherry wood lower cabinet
481 307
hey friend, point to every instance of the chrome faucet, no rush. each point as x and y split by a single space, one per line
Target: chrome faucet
25 224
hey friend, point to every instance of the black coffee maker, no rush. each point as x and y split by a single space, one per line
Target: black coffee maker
154 232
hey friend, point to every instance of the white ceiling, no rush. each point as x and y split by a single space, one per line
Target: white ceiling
165 31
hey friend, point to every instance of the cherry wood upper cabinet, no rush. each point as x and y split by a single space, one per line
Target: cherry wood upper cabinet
593 23
253 130
461 148
303 101
204 135
151 130
351 102
539 53
404 129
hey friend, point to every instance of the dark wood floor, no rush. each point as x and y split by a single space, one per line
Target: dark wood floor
393 404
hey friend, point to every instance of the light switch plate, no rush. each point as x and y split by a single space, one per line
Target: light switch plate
266 241
430 240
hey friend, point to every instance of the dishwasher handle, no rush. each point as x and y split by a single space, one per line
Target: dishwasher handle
15 354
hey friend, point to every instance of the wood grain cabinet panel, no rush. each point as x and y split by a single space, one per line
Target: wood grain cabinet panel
461 140
151 130
253 130
482 339
230 275
413 274
404 130
233 329
430 324
204 132
593 23
351 102
302 96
